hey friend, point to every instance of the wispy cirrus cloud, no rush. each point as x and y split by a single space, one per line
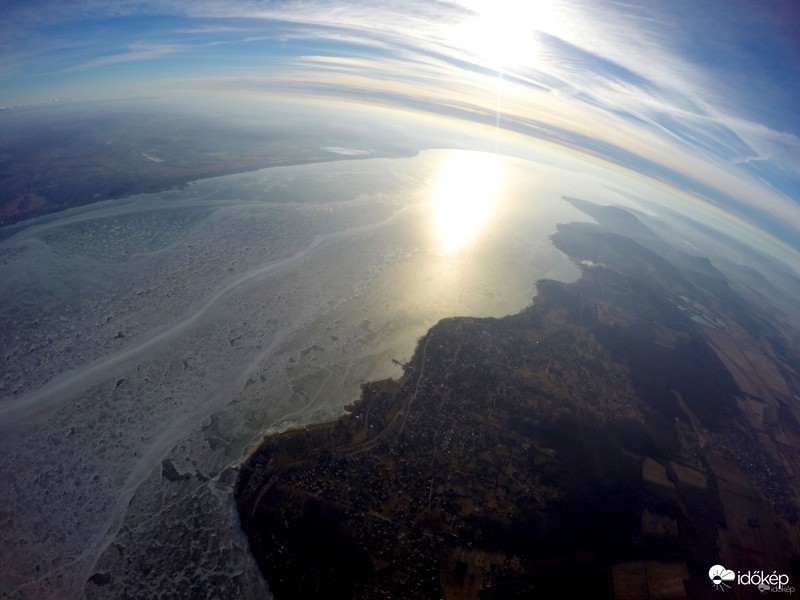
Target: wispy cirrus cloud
210 29
135 52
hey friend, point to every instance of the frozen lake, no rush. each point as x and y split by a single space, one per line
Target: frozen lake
149 341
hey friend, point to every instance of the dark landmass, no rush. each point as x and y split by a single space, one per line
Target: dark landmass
53 158
614 440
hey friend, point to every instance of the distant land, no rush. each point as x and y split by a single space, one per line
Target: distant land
49 162
615 439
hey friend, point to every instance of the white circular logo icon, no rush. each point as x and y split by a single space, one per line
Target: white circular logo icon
719 575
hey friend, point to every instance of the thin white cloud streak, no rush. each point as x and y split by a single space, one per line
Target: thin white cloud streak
210 29
134 53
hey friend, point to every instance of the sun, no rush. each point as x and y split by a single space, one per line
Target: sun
503 33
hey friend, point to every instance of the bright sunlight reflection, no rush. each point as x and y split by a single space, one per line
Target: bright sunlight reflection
468 185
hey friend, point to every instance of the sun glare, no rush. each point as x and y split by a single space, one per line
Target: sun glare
466 190
503 32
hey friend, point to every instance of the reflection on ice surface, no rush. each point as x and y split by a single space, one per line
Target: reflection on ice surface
151 339
467 186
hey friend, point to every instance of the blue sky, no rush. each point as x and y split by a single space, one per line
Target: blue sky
702 92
